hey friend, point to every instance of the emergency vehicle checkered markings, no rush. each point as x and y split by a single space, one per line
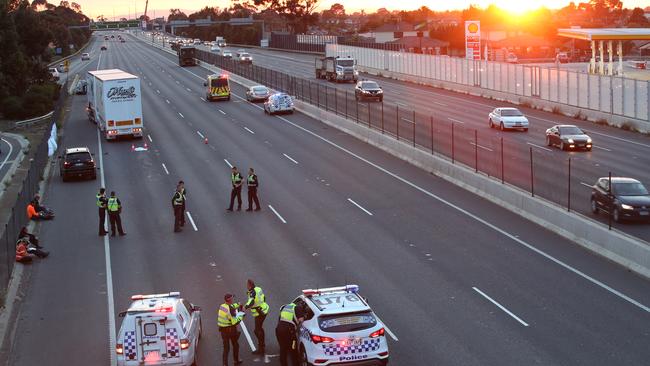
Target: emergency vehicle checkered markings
129 344
339 349
172 342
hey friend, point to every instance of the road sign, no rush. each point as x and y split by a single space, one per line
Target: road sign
473 40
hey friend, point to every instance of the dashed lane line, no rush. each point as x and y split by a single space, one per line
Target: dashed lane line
360 207
500 307
539 147
455 120
149 137
249 130
290 158
181 114
165 168
227 162
189 216
200 134
278 215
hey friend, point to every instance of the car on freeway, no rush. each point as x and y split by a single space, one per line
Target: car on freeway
112 36
568 137
103 48
122 40
507 119
197 41
77 162
215 49
159 329
56 75
105 38
257 93
244 58
85 56
625 199
339 327
366 89
512 58
279 103
226 54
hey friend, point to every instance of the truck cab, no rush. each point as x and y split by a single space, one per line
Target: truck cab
186 56
339 68
217 87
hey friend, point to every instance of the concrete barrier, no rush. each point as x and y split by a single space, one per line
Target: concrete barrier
628 251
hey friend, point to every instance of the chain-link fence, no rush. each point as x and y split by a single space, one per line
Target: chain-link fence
28 188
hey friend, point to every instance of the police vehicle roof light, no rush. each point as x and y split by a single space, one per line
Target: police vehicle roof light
348 288
155 296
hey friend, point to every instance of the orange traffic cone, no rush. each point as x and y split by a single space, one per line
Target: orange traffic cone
205 141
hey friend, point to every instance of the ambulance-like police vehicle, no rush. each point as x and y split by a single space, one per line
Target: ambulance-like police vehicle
339 328
160 329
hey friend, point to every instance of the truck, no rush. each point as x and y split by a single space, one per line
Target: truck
115 103
186 56
220 41
337 68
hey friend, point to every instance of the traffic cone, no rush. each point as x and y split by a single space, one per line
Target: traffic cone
205 141
132 147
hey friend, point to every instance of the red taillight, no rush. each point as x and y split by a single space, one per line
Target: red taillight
119 349
382 354
379 333
320 339
67 164
185 343
167 309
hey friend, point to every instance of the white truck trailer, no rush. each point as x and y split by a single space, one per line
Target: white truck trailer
115 103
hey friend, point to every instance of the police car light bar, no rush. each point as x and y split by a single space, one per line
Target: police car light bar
348 288
156 296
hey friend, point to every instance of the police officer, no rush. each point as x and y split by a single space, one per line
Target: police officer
114 210
227 321
102 203
288 324
177 205
253 183
183 193
259 308
236 180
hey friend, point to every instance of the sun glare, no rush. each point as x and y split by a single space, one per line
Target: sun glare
517 7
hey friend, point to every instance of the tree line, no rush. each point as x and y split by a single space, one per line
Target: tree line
30 33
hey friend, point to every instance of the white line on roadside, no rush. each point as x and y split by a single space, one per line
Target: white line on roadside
249 130
157 91
602 148
501 307
455 120
189 216
203 99
177 82
407 120
391 334
200 134
189 90
109 274
438 103
290 158
587 185
402 104
227 162
539 147
480 146
247 335
11 149
222 112
167 100
359 206
181 114
278 215
165 167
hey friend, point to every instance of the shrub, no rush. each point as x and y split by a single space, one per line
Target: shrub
601 121
628 126
556 110
12 107
580 116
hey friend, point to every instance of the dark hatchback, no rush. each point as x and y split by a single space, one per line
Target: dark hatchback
77 162
628 199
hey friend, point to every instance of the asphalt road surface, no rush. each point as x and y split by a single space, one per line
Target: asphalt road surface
433 260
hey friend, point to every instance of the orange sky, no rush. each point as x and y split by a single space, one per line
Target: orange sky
93 8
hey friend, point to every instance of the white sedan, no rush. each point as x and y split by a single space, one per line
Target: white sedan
507 119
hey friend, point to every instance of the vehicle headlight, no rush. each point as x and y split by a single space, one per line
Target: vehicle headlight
339 72
589 141
356 72
626 207
569 141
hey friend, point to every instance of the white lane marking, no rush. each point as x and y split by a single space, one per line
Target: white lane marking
181 114
248 336
359 206
149 137
391 334
177 82
539 147
438 103
501 307
407 120
278 215
471 215
157 91
600 147
290 158
455 120
249 130
189 90
109 273
11 149
200 134
227 162
203 99
165 167
402 104
167 100
189 216
587 185
222 112
480 146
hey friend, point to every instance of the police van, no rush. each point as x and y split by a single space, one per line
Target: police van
160 329
339 328
217 87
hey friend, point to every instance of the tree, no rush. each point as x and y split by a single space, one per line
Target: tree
76 7
176 14
299 14
64 4
637 19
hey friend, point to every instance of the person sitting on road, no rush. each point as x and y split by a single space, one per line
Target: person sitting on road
32 214
33 239
25 249
37 203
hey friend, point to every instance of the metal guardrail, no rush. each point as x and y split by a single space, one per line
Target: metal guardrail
29 122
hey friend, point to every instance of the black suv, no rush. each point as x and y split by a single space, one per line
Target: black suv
368 90
626 199
77 162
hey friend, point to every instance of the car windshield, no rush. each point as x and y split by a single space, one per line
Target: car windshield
244 55
79 157
370 85
629 189
345 63
571 130
511 113
260 90
215 83
351 322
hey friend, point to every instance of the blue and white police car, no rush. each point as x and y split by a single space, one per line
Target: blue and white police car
160 329
339 328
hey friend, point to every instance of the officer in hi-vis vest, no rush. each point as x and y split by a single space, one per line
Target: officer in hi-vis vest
102 203
252 183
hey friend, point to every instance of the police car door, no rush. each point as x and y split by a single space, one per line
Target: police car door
152 339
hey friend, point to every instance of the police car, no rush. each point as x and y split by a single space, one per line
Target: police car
339 328
161 329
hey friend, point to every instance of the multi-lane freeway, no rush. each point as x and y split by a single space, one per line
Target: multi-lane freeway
458 280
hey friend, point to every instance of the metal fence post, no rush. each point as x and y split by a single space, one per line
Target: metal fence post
310 100
431 129
414 128
369 115
382 116
453 157
503 178
609 208
397 119
357 110
336 102
476 151
532 174
318 95
326 97
346 104
568 206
